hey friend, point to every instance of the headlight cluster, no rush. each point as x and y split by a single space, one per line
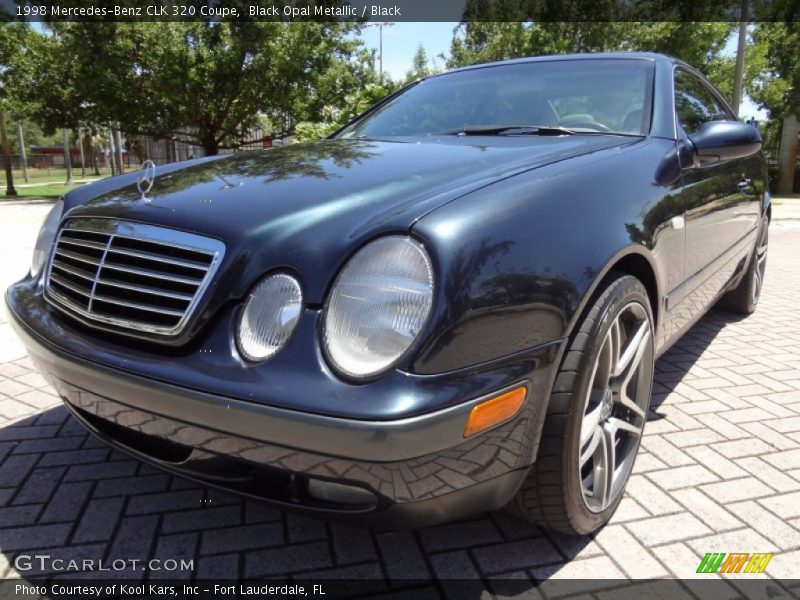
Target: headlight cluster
44 242
375 310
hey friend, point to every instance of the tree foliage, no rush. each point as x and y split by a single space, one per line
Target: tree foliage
774 74
204 83
699 44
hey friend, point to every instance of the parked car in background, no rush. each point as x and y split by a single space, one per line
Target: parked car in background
454 304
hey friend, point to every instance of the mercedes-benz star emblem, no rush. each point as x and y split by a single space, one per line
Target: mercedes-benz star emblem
145 178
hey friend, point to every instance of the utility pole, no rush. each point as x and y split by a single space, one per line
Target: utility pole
381 25
739 76
10 190
21 142
67 157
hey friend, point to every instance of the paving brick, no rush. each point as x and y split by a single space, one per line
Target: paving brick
304 529
179 547
629 553
767 524
100 471
681 560
67 504
785 506
742 447
723 542
454 565
665 451
33 537
514 555
768 474
707 510
223 566
125 486
788 459
716 463
15 516
286 560
40 485
402 555
201 519
98 520
15 469
245 537
661 530
454 535
351 544
680 477
648 494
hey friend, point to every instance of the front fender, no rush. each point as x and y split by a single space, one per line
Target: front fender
519 260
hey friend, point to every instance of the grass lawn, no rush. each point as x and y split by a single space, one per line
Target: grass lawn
36 176
55 190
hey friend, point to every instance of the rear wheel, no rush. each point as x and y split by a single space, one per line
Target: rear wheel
744 297
596 414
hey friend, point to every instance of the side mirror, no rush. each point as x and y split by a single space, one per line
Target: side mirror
716 141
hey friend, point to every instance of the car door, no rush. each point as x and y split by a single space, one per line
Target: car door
720 198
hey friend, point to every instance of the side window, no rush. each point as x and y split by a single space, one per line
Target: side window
694 102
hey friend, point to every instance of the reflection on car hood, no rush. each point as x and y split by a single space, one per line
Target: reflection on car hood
307 206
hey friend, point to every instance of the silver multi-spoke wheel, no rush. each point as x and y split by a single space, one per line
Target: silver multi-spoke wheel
760 266
616 407
596 413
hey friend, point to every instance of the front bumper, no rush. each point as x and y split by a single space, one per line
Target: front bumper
404 472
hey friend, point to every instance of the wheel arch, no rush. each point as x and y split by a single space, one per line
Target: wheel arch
635 261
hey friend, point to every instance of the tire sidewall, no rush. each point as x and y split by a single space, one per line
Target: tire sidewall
618 294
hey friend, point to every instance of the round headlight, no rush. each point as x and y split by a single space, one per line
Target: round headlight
377 306
269 317
44 242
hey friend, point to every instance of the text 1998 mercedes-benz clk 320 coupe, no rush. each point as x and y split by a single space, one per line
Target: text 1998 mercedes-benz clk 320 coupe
453 304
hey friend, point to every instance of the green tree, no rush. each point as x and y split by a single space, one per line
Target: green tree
13 37
776 87
699 44
204 83
421 66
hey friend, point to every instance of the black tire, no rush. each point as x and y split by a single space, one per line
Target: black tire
553 495
743 299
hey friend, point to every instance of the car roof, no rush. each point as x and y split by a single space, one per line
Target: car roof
652 56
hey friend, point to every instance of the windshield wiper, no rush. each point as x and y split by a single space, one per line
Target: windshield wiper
509 130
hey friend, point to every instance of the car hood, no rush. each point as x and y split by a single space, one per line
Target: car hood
306 207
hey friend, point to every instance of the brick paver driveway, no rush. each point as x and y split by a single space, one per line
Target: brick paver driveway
719 471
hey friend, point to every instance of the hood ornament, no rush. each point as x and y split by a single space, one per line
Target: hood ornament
145 178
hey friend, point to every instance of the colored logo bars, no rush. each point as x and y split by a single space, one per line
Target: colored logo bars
742 562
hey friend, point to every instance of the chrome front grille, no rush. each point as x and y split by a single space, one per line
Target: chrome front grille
129 276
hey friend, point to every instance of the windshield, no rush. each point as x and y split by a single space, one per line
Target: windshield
584 96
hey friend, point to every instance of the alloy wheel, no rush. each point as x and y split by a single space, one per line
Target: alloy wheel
616 407
761 265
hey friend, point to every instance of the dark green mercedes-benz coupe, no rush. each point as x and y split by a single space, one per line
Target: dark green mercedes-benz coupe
451 305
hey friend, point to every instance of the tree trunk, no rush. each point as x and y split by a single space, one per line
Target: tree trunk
211 147
118 153
83 160
93 158
67 157
21 142
788 156
10 191
110 153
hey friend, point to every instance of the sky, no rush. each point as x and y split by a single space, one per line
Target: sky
400 42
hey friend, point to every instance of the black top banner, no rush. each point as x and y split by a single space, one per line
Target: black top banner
401 10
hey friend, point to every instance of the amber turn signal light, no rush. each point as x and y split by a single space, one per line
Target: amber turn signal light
496 410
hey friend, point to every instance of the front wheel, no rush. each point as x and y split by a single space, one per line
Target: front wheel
596 414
